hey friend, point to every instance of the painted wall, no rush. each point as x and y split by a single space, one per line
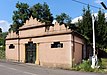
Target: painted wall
56 57
32 32
78 52
50 56
12 53
47 56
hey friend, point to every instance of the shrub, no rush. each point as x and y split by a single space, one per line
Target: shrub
2 52
86 66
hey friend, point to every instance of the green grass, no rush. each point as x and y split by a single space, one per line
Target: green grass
86 66
104 64
104 61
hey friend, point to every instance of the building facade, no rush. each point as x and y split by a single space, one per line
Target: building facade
46 45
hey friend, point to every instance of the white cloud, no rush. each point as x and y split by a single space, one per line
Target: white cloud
98 1
75 20
4 25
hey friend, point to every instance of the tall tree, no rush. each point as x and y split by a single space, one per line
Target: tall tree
101 30
85 28
85 25
42 13
24 12
20 15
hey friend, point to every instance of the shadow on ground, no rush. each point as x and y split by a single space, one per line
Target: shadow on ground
102 54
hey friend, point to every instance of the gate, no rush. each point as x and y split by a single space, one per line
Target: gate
30 52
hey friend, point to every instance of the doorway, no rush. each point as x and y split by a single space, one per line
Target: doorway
30 52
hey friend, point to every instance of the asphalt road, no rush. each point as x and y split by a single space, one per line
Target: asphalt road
10 68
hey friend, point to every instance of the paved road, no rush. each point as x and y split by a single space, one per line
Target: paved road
9 68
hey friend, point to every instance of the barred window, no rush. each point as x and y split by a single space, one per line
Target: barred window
57 45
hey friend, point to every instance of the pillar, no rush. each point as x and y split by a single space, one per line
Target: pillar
37 60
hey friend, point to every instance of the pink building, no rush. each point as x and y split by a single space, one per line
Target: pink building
45 45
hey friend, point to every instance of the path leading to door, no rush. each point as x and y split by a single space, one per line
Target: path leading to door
9 68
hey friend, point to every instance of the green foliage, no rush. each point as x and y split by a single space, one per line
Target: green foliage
63 19
42 13
1 41
101 30
85 25
2 45
2 52
24 12
85 28
104 63
20 15
66 20
2 38
86 66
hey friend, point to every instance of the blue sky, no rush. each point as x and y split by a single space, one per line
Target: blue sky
69 7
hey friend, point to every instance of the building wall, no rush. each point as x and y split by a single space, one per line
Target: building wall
48 56
56 57
36 32
22 51
78 52
12 53
32 32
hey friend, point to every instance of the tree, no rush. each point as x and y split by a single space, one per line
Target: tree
4 34
2 45
63 19
101 30
24 12
85 28
20 15
66 20
0 32
42 13
85 25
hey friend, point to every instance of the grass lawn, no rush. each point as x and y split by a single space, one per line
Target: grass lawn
104 63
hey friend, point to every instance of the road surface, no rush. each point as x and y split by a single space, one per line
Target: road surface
10 68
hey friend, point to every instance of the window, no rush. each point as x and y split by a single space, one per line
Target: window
57 45
11 46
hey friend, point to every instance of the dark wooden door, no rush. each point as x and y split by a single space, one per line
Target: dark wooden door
30 52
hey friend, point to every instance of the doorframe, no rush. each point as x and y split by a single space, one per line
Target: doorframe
35 50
